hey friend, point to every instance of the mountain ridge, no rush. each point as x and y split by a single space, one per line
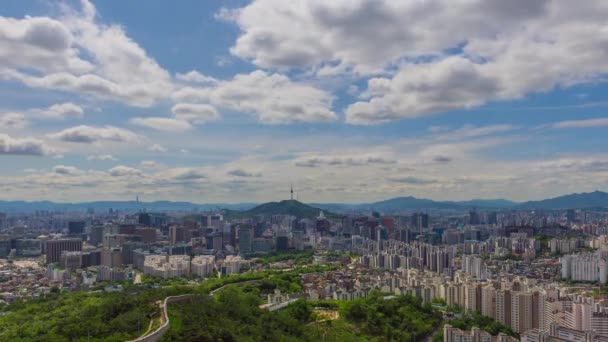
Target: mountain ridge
594 199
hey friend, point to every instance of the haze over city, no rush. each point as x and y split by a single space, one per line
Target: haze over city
234 101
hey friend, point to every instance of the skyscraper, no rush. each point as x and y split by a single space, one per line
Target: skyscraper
245 236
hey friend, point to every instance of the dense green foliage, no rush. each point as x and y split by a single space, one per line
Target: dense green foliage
403 318
73 317
299 257
234 316
119 316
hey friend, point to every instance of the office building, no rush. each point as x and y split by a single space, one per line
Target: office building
54 248
245 236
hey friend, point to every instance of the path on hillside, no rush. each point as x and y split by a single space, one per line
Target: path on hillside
155 335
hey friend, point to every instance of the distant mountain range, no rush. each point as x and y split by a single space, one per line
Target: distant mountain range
596 199
403 204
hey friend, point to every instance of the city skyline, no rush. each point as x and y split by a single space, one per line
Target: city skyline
233 101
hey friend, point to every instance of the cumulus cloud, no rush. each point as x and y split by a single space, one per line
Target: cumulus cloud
162 124
365 35
272 98
493 50
586 123
195 77
318 161
194 113
118 68
89 134
12 120
25 146
243 173
124 171
422 89
39 43
61 111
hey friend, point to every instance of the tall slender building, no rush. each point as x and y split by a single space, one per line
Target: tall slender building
503 307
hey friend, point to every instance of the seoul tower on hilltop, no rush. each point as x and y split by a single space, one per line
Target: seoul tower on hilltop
292 192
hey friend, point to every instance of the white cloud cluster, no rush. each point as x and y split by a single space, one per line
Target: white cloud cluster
61 111
272 98
124 171
194 113
76 53
12 120
493 50
25 146
194 76
90 134
185 115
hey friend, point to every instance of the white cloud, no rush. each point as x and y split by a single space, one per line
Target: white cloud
89 134
40 43
123 171
272 98
25 146
493 51
422 89
162 124
586 123
61 111
12 120
116 67
195 77
194 113
366 35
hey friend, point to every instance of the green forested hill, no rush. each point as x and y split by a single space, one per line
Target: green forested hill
287 207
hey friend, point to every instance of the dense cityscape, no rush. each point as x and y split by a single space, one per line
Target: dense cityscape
536 274
303 170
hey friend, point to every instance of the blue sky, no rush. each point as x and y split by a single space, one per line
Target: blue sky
351 101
